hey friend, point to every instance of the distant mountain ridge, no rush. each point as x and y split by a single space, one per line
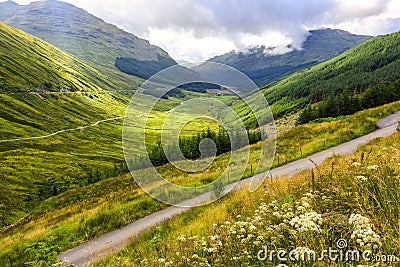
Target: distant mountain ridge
371 68
74 30
263 66
374 62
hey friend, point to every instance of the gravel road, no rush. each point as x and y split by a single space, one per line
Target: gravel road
61 131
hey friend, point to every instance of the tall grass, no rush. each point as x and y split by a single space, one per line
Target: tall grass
353 198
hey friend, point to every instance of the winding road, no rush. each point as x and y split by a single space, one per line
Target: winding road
92 251
61 131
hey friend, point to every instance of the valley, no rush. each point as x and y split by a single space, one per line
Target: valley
67 80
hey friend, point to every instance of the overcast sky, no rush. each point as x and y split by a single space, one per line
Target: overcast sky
195 30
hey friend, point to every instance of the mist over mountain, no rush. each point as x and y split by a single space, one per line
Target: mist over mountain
267 64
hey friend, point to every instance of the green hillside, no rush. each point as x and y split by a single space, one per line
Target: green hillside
44 90
263 65
76 31
28 63
374 62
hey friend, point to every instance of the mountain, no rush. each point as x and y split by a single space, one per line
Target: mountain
28 63
76 31
374 62
7 9
263 65
372 65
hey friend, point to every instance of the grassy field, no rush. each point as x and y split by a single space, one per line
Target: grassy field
354 198
33 170
85 212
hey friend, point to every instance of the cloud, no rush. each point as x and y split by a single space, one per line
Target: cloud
193 29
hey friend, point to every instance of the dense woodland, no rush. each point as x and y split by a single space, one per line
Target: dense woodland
346 103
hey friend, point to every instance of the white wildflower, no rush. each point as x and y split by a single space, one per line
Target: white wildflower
373 167
361 178
308 222
308 195
363 232
211 250
181 238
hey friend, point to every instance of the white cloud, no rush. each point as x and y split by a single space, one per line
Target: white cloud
196 30
183 45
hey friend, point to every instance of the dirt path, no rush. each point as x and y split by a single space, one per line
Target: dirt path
61 131
94 250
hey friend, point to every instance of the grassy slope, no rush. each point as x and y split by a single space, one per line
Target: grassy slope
67 160
83 213
336 194
67 157
28 61
374 61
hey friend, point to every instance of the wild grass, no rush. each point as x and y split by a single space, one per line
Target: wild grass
81 214
353 197
77 215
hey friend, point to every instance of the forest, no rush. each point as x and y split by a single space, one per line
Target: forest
346 103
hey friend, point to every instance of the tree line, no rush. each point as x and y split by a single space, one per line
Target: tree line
346 103
190 146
